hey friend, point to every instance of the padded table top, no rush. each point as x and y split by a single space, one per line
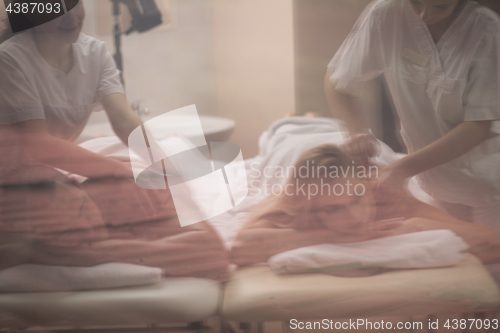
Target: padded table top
259 294
172 300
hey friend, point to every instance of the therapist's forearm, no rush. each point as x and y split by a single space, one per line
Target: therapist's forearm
123 128
122 118
345 108
124 121
67 156
454 144
125 125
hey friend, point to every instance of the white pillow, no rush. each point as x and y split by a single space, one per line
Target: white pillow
39 278
425 249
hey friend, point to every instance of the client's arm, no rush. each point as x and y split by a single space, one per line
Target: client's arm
260 240
259 243
197 251
483 241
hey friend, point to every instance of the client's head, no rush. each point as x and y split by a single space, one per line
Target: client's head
327 189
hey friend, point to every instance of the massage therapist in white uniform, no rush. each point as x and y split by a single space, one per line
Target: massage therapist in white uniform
51 78
441 62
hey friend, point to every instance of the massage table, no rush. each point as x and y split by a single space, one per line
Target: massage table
173 300
257 294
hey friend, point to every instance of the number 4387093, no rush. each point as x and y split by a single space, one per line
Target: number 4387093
487 324
34 8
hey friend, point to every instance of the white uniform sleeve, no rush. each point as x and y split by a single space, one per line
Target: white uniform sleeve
358 59
109 78
482 92
19 100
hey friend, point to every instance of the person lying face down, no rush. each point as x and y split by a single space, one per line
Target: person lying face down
51 78
47 219
348 210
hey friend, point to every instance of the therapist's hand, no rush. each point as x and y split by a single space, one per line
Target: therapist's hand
391 185
361 147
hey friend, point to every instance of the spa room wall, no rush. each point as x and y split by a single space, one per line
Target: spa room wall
170 68
231 58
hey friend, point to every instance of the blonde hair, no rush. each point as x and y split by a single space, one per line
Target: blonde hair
291 211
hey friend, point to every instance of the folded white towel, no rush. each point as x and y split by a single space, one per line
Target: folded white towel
40 278
434 248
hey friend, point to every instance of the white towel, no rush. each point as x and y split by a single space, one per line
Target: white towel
40 278
434 248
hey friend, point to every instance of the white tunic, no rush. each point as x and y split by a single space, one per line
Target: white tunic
32 89
434 87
